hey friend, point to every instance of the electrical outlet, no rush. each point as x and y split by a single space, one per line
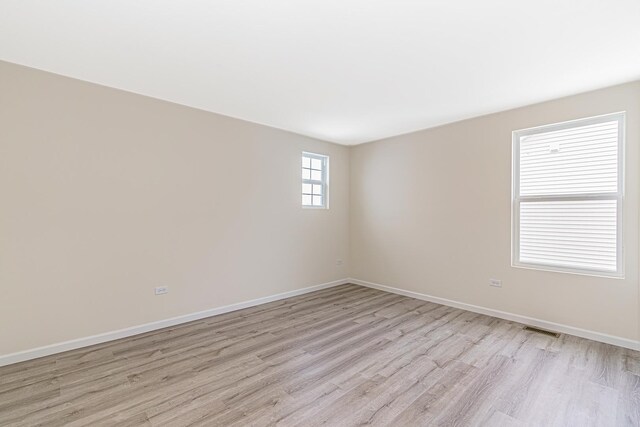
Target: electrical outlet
161 290
495 282
338 262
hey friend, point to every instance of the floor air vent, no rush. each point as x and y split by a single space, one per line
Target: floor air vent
542 331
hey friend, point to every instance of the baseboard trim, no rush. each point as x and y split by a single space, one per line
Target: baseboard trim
555 327
47 350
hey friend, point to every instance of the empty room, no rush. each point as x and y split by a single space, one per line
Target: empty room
305 213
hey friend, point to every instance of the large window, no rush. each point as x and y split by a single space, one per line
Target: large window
567 196
315 173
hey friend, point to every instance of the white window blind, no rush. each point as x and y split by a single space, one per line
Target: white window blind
568 196
314 180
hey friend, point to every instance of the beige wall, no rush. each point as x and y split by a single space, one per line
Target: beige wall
430 213
105 195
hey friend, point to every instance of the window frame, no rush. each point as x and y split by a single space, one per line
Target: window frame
517 199
324 182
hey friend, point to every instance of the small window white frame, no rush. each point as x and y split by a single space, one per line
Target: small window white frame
323 182
516 198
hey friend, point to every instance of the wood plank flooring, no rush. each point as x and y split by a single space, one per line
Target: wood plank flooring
343 356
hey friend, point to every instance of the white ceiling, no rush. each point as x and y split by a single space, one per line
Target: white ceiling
347 71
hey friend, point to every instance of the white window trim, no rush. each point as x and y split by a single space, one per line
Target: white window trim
324 182
516 199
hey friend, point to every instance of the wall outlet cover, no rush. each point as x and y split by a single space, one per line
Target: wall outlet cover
161 290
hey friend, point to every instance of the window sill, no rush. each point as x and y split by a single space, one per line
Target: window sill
548 268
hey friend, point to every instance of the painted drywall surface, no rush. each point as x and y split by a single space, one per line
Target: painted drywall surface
105 195
431 213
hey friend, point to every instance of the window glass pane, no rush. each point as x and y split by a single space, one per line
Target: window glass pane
306 200
580 234
317 200
577 160
306 174
306 188
316 163
317 189
306 162
316 175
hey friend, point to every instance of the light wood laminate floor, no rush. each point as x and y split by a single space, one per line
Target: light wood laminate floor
342 356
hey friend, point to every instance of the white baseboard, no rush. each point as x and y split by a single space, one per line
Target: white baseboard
551 326
35 353
47 350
